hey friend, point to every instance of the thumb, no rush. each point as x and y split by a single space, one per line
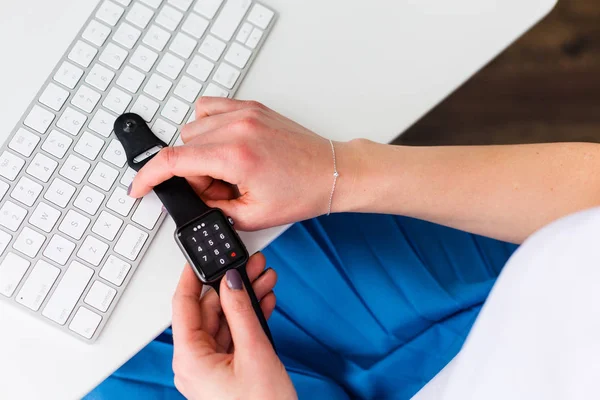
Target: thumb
246 332
242 213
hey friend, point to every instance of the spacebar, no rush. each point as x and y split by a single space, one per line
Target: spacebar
229 19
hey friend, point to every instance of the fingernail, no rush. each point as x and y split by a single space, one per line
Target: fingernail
234 280
129 188
164 209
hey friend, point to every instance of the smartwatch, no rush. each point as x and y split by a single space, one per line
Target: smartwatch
205 235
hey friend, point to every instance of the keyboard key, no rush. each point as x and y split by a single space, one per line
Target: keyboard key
57 144
59 192
183 5
163 130
71 121
100 77
59 249
140 15
11 216
42 167
89 145
188 89
3 190
82 54
85 322
86 99
124 2
127 35
113 56
68 292
96 33
39 119
127 177
208 8
12 270
215 91
116 101
74 224
89 200
54 97
103 176
175 110
68 75
131 242
158 87
238 55
143 58
229 18
170 66
244 32
10 165
92 250
212 48
107 226
44 217
169 18
148 211
109 12
115 154
26 191
100 296
156 38
183 45
254 38
145 108
130 79
260 16
114 271
5 239
29 242
24 142
103 122
38 284
200 68
226 75
120 202
195 25
153 3
74 168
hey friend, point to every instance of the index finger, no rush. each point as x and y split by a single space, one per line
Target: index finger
209 106
183 161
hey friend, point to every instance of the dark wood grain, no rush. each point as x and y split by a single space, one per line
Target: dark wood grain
544 88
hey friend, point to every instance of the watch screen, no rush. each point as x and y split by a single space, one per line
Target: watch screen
211 244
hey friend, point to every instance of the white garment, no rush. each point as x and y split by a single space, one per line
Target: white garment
538 334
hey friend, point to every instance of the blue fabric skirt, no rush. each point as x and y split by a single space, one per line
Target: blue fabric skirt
368 306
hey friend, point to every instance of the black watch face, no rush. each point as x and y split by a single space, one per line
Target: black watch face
212 245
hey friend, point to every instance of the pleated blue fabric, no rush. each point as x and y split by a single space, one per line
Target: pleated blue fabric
369 306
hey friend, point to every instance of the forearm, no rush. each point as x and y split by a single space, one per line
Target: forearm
505 192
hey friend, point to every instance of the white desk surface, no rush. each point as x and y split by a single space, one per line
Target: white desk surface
345 69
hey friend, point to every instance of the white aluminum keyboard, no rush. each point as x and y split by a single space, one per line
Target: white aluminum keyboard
70 237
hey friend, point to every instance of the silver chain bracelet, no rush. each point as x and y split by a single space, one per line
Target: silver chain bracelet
335 176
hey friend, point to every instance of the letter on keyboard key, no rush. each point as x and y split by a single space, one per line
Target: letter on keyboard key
115 154
170 66
226 75
139 15
116 101
11 216
26 191
145 108
71 121
157 87
59 192
12 270
195 25
4 241
57 144
67 293
44 217
260 16
74 169
103 176
169 18
120 202
100 296
143 58
148 211
156 38
208 8
24 142
10 165
188 89
83 54
54 97
183 45
92 250
96 33
175 110
39 119
131 242
163 130
59 249
115 270
74 224
107 225
38 284
109 12
89 145
130 79
29 242
89 200
127 35
68 75
200 68
85 322
229 18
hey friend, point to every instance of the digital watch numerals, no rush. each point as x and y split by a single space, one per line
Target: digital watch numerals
211 245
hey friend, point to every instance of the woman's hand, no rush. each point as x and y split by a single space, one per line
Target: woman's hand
205 332
284 172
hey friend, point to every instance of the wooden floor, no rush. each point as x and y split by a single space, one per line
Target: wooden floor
544 88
